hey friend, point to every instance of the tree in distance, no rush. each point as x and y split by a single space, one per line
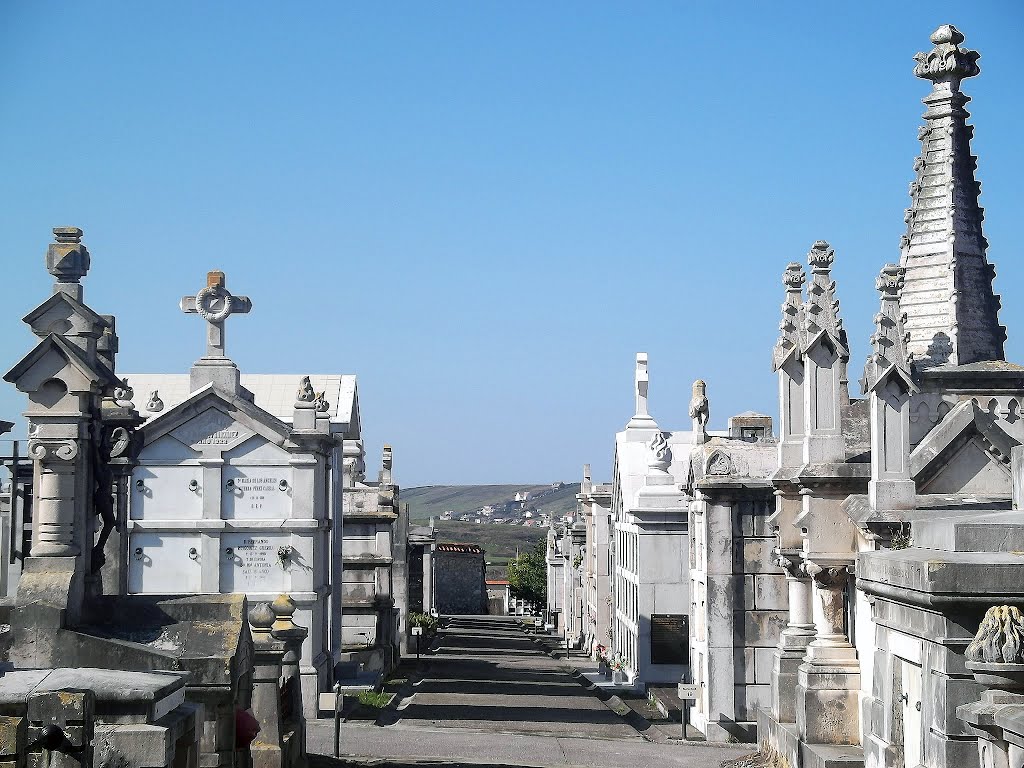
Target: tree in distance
528 575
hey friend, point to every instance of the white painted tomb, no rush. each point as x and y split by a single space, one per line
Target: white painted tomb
236 489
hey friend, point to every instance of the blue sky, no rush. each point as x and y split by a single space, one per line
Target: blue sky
483 210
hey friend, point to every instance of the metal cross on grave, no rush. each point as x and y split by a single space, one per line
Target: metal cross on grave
215 305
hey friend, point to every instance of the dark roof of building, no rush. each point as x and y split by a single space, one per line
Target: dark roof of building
470 549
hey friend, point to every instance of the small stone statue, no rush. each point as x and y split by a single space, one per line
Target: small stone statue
700 410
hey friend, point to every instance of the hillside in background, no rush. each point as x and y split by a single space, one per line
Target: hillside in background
499 542
431 500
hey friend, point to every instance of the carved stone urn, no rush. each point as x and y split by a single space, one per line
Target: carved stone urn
996 655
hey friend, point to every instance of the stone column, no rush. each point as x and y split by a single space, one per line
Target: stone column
292 699
793 641
428 577
828 682
268 656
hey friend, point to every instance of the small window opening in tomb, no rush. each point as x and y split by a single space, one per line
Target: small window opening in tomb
752 434
670 643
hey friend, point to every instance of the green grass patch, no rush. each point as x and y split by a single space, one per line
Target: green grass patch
375 699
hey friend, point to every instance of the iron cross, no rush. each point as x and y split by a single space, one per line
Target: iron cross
215 305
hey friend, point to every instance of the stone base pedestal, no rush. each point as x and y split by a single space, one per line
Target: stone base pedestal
828 699
785 664
777 741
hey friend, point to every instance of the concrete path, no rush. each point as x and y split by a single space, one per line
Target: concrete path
491 696
486 673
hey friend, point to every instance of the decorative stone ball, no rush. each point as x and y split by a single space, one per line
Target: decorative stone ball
262 616
283 606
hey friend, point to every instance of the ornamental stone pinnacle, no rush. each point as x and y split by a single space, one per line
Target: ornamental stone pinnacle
888 342
791 327
215 304
821 310
951 309
67 260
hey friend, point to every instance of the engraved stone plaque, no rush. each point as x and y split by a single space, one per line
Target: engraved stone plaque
250 562
167 493
211 428
256 492
164 564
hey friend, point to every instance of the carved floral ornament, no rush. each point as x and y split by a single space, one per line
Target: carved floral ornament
1000 637
719 463
947 61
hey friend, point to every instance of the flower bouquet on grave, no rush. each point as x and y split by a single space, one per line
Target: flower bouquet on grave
618 667
602 660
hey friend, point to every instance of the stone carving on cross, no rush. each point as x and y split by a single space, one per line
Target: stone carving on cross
215 304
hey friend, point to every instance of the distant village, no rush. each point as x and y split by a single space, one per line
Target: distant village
523 509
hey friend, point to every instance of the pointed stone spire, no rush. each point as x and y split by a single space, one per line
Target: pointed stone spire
821 311
791 327
888 342
952 311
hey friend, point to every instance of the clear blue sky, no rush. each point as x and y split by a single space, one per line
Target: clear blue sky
483 210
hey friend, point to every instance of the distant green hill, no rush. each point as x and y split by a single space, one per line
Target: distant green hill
499 542
431 500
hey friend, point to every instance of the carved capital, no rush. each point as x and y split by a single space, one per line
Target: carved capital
791 565
52 450
830 577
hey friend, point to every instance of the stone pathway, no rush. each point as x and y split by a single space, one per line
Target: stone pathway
486 673
492 696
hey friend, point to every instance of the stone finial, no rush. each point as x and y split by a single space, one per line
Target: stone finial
1000 637
154 404
821 311
283 608
67 260
320 403
123 395
386 463
700 411
888 342
791 327
661 454
947 62
262 617
306 393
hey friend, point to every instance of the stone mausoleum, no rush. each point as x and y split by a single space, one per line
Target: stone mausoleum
897 512
93 675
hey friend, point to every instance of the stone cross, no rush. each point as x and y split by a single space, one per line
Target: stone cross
215 305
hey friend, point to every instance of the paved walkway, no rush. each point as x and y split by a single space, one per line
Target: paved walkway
492 696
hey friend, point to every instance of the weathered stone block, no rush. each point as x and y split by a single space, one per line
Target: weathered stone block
12 741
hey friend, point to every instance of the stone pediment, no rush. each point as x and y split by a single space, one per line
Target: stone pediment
62 314
211 419
966 452
211 428
54 357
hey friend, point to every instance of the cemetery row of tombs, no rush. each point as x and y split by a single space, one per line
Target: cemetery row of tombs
848 591
181 552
